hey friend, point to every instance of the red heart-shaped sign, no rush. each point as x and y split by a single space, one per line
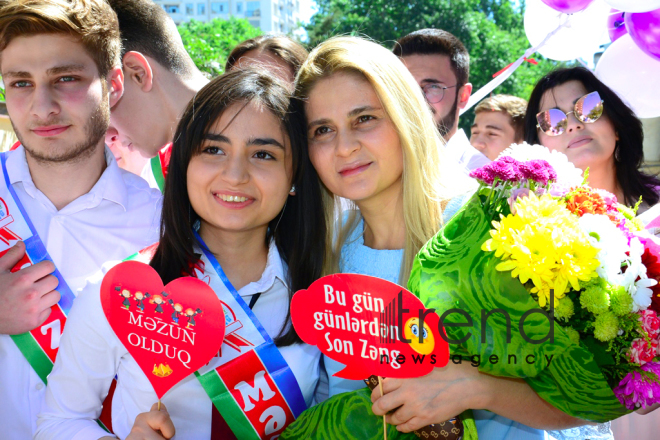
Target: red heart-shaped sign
171 331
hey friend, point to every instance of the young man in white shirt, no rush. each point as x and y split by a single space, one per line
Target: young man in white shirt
63 196
441 66
160 80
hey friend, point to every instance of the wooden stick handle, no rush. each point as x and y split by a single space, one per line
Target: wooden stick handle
380 384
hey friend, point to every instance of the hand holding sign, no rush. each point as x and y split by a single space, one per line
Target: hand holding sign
376 328
171 331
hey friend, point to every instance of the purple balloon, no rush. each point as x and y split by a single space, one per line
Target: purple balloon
644 28
616 27
568 6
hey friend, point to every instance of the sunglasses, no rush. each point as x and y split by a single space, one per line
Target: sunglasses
588 110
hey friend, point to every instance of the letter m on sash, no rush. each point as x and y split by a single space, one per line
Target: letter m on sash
256 394
250 394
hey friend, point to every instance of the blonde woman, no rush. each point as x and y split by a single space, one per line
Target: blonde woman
373 141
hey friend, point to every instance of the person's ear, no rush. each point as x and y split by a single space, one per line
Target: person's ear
138 70
115 80
464 95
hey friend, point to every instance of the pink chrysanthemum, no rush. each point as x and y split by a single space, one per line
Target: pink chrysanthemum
636 391
539 171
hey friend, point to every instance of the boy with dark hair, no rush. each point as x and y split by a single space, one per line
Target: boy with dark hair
441 66
160 80
65 206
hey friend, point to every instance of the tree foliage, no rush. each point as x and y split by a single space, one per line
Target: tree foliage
210 43
491 30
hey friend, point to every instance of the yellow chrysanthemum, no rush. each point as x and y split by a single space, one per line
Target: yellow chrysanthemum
533 209
543 243
576 262
530 258
543 292
503 236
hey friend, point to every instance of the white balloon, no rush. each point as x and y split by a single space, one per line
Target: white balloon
634 5
633 75
583 33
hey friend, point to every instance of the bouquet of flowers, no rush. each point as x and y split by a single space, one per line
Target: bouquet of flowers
563 265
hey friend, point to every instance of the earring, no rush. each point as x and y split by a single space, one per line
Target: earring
196 225
293 189
617 155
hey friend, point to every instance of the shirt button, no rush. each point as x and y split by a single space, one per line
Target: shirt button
40 386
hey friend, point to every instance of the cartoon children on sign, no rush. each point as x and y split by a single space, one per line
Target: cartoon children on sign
159 300
178 309
139 299
126 295
190 313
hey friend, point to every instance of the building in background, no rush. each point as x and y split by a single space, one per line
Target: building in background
281 16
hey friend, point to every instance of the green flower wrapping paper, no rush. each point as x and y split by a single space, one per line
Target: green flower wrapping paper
452 272
348 416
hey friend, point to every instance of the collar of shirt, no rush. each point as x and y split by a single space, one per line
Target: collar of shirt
274 271
110 185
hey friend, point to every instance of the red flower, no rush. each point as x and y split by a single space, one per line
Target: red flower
650 323
642 351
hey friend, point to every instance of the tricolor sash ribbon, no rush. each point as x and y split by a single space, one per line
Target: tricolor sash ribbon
40 345
159 165
254 388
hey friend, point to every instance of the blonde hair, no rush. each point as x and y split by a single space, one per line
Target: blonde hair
429 177
93 21
511 105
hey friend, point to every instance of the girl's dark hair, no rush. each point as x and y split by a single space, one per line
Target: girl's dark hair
283 47
628 127
299 229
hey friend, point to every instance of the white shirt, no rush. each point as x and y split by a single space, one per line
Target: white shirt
91 354
458 147
116 218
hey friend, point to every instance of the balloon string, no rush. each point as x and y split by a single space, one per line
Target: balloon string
507 72
380 384
158 404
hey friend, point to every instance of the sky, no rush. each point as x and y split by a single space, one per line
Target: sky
307 9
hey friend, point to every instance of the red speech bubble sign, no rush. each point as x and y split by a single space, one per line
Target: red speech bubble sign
171 331
363 322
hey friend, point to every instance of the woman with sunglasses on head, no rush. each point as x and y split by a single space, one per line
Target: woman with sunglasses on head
573 112
373 141
241 211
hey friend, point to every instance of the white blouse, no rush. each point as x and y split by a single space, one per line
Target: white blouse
90 355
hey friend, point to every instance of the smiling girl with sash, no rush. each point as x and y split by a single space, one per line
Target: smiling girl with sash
242 211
